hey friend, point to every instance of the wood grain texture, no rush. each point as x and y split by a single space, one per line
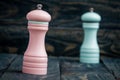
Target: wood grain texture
14 71
64 68
65 13
71 69
67 41
5 61
65 35
113 65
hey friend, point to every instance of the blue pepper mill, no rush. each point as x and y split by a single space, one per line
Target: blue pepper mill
89 51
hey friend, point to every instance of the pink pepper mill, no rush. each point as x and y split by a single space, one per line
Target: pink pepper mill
35 57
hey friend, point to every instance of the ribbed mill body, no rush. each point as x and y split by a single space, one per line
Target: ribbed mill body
89 51
35 57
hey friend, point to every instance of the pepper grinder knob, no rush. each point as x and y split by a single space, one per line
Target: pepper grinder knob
39 6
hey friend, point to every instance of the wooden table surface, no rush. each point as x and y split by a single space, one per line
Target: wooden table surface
61 68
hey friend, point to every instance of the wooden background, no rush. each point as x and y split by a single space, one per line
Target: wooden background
65 33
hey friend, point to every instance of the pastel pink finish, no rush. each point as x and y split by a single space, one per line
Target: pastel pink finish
35 58
38 15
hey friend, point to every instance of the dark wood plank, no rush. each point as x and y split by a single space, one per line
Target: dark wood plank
113 65
5 61
14 71
72 69
65 14
67 41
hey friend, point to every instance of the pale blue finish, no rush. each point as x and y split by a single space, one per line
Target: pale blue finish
89 51
38 22
91 16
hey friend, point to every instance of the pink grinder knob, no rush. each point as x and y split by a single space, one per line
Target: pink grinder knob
35 57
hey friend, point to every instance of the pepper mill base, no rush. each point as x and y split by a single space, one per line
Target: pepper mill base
36 71
89 55
35 65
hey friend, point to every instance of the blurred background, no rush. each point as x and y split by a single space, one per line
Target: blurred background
65 33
